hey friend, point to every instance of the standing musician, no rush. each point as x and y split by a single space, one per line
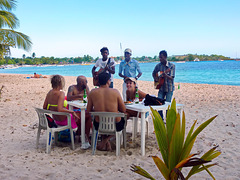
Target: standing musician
164 72
105 64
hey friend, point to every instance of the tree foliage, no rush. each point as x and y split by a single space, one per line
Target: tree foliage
8 36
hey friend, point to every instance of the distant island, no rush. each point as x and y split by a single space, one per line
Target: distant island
86 59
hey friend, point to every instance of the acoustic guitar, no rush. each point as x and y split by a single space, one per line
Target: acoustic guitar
96 73
160 82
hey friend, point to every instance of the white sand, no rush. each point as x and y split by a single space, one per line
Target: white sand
19 158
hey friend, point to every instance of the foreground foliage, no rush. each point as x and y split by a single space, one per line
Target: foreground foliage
175 148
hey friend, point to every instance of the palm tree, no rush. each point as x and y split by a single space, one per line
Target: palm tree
9 37
33 55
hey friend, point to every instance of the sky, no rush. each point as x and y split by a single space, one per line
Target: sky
73 28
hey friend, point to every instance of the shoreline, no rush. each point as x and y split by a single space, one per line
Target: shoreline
21 160
175 83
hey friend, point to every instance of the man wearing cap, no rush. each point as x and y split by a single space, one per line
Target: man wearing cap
105 64
128 68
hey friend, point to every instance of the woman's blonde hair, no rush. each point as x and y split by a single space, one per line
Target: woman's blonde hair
57 81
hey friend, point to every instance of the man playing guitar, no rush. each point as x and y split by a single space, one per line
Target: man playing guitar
163 75
105 64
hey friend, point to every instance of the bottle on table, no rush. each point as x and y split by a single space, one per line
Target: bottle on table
136 97
85 96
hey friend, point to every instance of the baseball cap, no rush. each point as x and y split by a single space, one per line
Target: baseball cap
131 79
128 51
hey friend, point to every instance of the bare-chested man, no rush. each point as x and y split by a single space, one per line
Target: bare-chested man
75 92
107 100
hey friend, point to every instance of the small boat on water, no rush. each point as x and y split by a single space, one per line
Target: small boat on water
196 60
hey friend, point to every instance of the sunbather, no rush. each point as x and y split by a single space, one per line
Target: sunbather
54 101
75 92
38 76
106 99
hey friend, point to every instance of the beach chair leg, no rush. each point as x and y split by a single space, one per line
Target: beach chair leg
49 142
72 138
147 127
118 137
38 135
95 138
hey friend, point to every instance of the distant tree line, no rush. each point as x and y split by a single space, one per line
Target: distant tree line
192 57
89 59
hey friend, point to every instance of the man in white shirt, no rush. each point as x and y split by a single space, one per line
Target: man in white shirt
105 64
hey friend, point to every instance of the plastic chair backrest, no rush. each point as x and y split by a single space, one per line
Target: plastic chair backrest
107 121
42 118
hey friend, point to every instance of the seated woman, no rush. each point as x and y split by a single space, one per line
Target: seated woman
131 93
54 101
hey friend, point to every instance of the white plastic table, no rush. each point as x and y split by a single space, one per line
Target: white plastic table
82 106
143 109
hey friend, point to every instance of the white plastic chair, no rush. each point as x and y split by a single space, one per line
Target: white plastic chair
107 125
135 121
52 132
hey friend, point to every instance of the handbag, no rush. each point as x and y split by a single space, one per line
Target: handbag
151 100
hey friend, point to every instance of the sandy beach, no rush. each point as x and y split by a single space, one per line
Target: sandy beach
21 160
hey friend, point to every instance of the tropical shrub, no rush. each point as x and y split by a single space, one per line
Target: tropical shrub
175 149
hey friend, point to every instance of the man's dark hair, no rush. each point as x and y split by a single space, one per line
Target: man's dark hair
104 49
164 53
103 78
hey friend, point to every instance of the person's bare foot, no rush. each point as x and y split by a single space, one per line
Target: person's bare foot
108 146
102 146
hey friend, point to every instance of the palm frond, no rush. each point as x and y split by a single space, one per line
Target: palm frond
142 172
8 4
15 39
161 166
8 19
161 134
208 156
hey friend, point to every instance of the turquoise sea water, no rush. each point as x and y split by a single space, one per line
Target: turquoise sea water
203 72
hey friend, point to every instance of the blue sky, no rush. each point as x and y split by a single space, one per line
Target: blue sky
71 28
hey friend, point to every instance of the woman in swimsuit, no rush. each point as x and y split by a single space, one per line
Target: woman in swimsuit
54 101
131 92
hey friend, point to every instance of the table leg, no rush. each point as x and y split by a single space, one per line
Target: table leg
70 107
143 129
84 144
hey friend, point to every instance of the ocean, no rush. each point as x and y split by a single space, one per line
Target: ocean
202 72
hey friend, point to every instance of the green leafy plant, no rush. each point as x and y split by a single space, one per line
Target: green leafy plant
175 148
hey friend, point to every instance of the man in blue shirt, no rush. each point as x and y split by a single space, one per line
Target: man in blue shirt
128 68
